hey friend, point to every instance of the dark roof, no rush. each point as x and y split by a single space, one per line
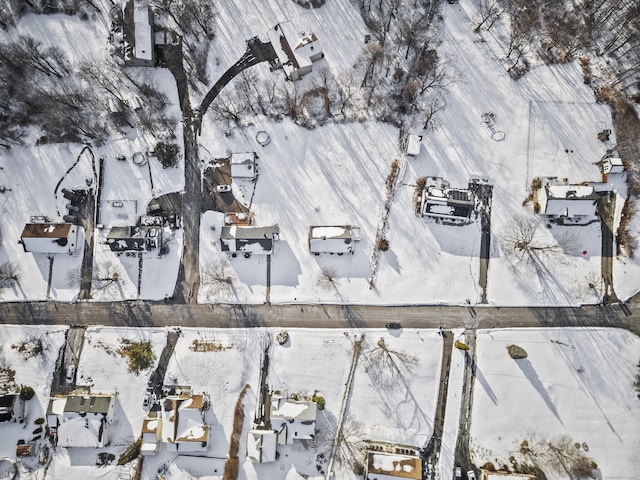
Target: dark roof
88 403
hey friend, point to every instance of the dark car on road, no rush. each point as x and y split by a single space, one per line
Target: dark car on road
393 326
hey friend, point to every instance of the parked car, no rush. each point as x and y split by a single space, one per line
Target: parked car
393 326
223 188
471 475
458 473
71 373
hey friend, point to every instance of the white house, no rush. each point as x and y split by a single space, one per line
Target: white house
292 419
567 203
333 239
446 204
81 420
249 240
261 446
243 165
50 237
296 51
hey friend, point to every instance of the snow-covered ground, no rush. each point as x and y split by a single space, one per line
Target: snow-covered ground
35 371
574 382
335 175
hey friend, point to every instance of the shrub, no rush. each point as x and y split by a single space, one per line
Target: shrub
489 466
27 393
37 430
319 401
139 354
131 453
516 352
39 421
383 244
167 154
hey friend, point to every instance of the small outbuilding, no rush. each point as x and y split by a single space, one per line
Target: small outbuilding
243 165
413 145
50 237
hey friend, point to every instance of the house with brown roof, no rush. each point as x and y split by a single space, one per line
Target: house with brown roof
178 421
50 237
296 51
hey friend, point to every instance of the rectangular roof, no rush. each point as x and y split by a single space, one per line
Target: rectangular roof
46 230
88 403
249 232
389 466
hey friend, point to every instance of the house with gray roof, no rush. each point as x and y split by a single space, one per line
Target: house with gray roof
249 240
81 420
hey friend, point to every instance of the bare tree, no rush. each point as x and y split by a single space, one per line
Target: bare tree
526 246
387 366
328 277
489 11
9 274
106 278
561 455
216 280
350 446
433 106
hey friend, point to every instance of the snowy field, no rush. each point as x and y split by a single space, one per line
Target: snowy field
550 122
574 382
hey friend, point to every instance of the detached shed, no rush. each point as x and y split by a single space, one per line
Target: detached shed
333 239
50 237
243 165
413 145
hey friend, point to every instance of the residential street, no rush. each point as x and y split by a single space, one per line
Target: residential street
150 314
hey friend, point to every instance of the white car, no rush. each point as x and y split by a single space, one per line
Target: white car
223 188
471 475
458 473
71 373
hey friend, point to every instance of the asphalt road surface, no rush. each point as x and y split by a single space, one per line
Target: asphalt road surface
152 314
